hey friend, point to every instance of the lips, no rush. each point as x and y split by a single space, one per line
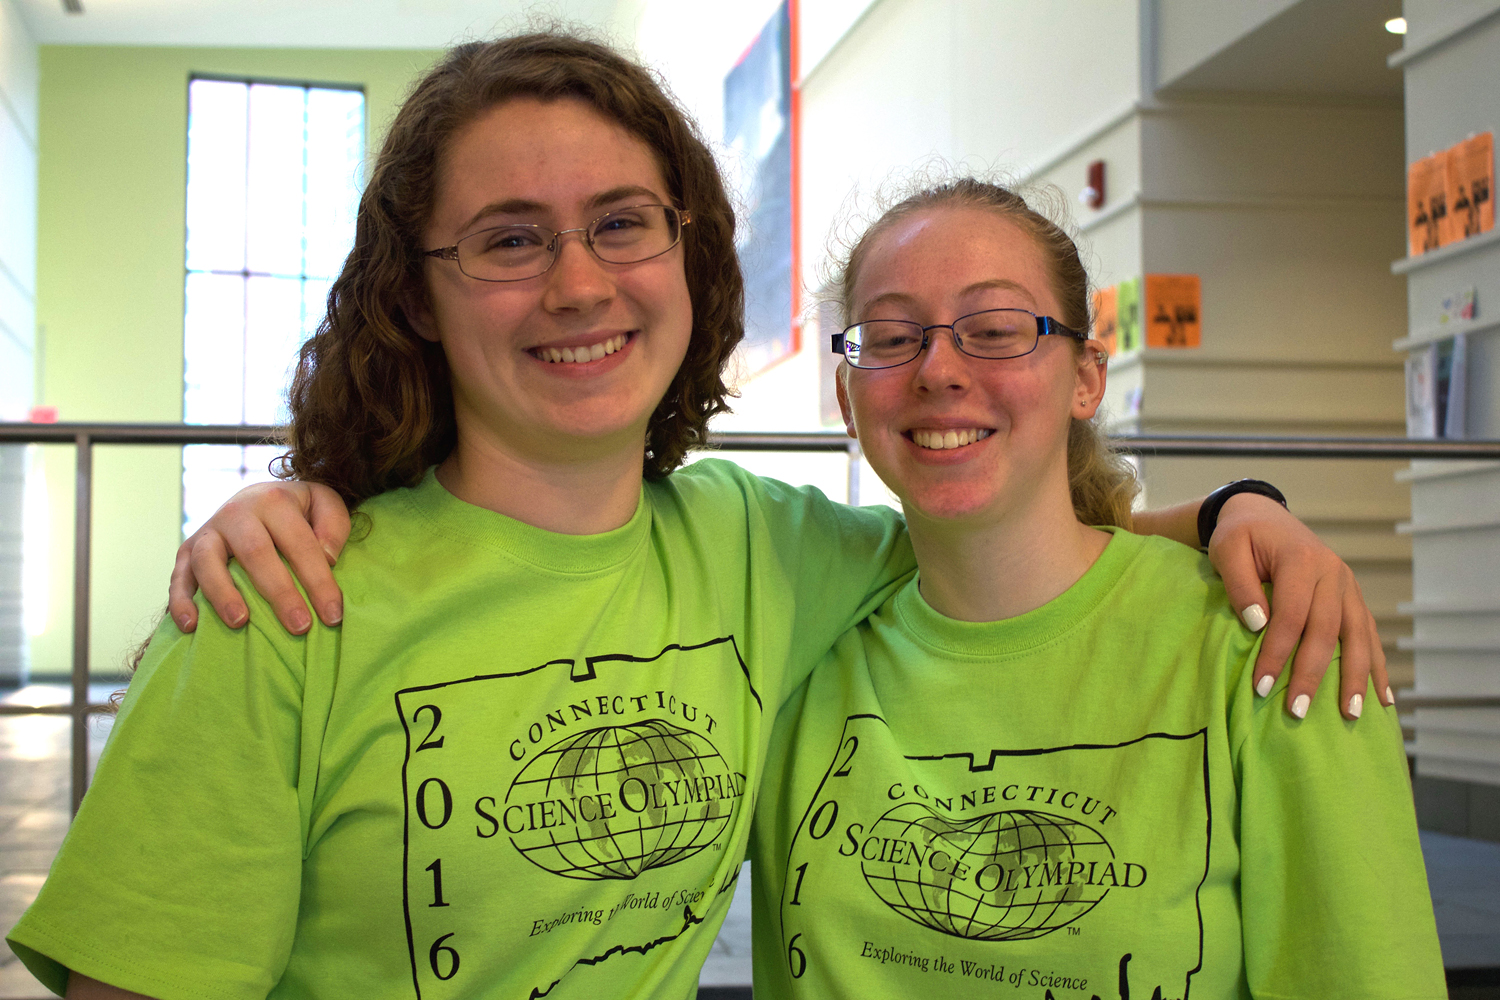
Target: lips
583 352
943 440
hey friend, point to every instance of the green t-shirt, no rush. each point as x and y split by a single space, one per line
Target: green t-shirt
523 766
1087 800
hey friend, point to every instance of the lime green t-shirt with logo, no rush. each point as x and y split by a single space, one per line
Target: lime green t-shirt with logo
1085 801
524 766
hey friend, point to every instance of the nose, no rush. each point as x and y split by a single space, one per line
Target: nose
578 280
941 365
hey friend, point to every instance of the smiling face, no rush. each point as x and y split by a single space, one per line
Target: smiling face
959 438
558 164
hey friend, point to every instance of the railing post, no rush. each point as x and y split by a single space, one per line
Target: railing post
82 544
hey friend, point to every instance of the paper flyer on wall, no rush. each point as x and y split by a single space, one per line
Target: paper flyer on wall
1460 306
1105 330
1426 203
1173 310
1128 315
1421 393
1470 174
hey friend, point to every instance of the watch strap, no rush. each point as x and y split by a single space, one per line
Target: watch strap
1208 511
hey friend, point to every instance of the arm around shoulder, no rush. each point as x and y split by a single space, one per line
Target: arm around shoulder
304 523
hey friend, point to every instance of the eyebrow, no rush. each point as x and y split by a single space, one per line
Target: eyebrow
1002 284
524 206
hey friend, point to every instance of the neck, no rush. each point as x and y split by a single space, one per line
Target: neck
1004 568
579 497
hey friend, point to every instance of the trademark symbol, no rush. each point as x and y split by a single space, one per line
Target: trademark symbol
717 847
1074 931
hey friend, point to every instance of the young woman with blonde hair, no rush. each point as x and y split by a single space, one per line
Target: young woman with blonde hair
1042 767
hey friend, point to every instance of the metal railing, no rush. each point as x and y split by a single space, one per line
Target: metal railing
85 436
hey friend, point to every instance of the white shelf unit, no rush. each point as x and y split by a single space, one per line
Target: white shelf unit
1455 523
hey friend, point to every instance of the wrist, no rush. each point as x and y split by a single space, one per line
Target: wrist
1213 504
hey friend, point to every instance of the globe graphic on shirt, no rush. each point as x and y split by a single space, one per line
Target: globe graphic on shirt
614 802
1024 873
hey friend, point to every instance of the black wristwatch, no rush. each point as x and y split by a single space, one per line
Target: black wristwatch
1208 513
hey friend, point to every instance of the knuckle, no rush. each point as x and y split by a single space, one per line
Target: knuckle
255 549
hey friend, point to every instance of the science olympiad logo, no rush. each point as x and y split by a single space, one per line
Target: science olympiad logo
617 801
1003 876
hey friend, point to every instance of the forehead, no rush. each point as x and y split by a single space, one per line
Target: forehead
946 257
552 155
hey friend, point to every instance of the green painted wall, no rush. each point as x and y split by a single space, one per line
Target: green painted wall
110 222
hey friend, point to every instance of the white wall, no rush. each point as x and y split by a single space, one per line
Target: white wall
891 85
18 133
1191 32
988 84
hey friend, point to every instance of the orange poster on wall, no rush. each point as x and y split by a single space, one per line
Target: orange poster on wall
1104 317
1173 310
1470 188
1426 203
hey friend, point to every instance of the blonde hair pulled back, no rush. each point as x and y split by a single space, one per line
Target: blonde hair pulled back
1101 482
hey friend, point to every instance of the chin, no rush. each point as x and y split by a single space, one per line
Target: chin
952 503
603 414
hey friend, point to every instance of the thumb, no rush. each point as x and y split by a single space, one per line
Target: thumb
1236 564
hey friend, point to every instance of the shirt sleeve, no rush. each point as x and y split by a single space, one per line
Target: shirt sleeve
840 562
1334 894
181 875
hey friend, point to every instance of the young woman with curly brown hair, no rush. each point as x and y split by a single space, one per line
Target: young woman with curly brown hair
519 759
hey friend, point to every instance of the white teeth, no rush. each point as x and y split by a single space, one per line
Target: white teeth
573 355
944 440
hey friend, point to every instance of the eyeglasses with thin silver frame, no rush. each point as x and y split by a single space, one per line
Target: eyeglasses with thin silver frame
520 251
990 334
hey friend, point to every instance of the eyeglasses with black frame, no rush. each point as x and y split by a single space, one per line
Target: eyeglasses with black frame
517 252
991 334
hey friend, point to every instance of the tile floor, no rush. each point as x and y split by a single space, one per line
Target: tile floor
34 810
1464 874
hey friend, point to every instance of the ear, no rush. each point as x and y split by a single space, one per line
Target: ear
1091 373
419 314
841 389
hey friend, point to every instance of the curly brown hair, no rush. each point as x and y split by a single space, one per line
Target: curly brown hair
371 401
1101 482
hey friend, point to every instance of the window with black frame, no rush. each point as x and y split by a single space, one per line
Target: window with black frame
274 174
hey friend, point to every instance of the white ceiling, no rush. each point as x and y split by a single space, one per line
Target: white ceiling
1326 47
379 24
